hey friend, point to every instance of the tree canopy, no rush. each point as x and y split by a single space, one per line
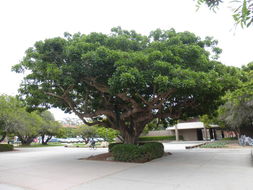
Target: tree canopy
237 111
242 11
124 80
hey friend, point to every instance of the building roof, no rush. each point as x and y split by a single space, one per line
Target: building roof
190 125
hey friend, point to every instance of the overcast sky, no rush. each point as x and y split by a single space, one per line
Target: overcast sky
23 22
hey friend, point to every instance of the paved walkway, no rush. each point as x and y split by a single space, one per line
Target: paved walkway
58 168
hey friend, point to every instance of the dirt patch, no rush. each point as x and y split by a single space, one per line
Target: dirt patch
108 157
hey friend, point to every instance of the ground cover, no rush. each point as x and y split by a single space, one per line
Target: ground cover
223 144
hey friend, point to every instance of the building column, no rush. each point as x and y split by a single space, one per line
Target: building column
176 133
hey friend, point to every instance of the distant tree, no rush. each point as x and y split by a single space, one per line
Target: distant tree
87 133
26 125
67 132
242 13
49 126
125 80
8 106
107 134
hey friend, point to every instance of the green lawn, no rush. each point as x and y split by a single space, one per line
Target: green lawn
35 145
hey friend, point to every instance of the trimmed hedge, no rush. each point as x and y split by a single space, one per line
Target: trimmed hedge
137 153
6 147
159 138
112 145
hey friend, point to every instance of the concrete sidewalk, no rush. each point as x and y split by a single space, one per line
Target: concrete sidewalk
58 168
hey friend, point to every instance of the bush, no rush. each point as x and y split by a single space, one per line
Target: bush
159 138
137 153
6 147
112 145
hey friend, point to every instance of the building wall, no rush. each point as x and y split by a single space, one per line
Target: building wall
159 133
189 134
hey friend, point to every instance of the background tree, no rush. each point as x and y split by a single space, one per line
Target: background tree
49 127
242 13
26 125
107 134
237 111
125 80
87 133
8 105
67 132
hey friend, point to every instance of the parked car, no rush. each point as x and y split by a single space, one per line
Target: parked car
54 140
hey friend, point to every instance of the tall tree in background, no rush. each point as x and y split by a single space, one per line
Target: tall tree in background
125 80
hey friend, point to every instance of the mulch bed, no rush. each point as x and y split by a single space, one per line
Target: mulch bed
108 156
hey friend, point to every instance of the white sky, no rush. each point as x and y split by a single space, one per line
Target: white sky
22 23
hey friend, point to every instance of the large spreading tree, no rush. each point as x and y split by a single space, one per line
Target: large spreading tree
124 80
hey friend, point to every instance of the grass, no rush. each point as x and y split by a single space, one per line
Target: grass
35 145
216 144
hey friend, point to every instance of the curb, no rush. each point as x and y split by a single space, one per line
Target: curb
198 145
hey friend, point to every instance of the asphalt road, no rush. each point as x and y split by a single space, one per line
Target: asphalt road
59 168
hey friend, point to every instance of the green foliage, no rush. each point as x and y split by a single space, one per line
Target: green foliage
7 115
6 147
158 124
15 120
159 138
106 133
236 112
135 153
242 13
217 144
67 132
111 145
49 127
108 80
126 152
87 132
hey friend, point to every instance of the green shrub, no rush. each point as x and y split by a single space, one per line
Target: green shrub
112 145
137 153
126 152
6 147
159 138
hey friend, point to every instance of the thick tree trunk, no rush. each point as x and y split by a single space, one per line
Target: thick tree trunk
129 136
43 141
